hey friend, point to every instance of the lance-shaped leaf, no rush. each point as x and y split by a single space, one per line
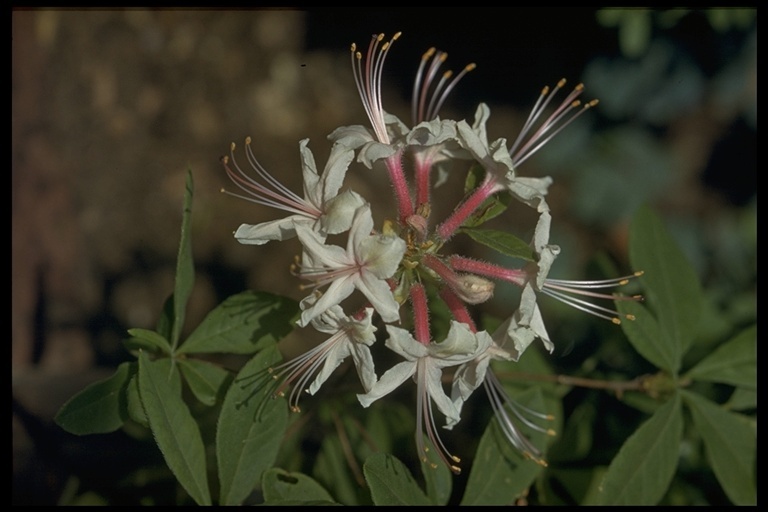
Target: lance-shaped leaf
672 289
243 324
501 241
185 270
281 487
391 482
204 379
734 362
173 427
730 440
99 408
144 339
643 469
250 429
645 336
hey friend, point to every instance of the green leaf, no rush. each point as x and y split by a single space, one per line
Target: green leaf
99 408
281 486
643 469
742 399
501 241
135 407
438 478
204 379
391 482
734 362
175 430
250 429
144 339
645 336
243 324
672 288
491 207
500 473
185 269
730 440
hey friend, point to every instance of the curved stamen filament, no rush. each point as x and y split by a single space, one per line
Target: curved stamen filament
301 370
368 81
420 110
502 404
278 196
562 116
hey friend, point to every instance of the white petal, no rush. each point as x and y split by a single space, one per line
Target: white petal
339 290
402 342
314 244
380 254
388 382
333 359
335 170
339 212
280 229
352 136
437 394
309 172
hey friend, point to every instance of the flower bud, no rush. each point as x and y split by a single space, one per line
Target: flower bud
473 289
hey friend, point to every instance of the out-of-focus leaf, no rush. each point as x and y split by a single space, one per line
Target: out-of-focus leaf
144 339
501 241
742 399
734 362
251 426
204 379
243 324
642 470
672 288
281 486
175 430
333 470
391 482
185 269
500 473
99 408
731 446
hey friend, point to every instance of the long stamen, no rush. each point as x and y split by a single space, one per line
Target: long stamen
278 196
368 81
300 370
426 105
557 120
502 404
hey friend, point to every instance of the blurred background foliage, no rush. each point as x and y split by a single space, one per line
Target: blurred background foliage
111 107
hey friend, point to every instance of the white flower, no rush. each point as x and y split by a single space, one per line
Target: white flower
425 363
350 336
323 208
366 264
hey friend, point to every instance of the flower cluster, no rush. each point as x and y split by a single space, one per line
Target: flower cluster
407 262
